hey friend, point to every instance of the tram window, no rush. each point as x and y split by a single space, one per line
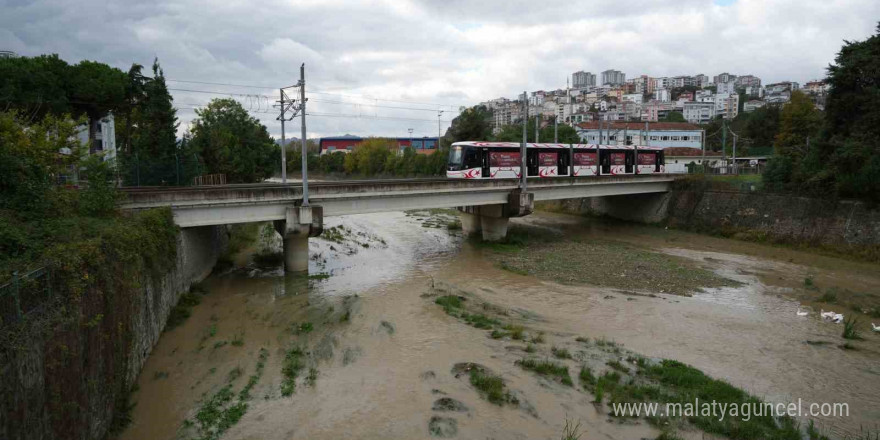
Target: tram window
455 155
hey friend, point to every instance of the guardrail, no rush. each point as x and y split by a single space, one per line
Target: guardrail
24 295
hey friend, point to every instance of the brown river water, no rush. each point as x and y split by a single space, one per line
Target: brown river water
384 353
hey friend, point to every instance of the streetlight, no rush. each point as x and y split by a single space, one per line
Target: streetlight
410 130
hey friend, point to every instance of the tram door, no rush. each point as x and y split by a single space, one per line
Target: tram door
605 161
562 163
630 159
486 172
532 162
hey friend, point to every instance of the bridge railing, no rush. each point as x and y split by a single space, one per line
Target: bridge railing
210 179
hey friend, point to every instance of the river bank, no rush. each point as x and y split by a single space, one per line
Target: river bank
368 352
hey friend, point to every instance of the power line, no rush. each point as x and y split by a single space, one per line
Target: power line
354 95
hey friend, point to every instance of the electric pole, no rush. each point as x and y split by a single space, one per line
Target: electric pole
410 137
305 151
724 143
556 129
537 126
522 166
439 113
285 104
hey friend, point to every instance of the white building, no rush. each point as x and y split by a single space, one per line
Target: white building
662 95
750 106
104 142
701 80
727 105
697 112
658 134
634 97
726 88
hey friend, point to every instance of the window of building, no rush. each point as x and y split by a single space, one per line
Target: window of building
664 138
612 138
675 138
655 138
685 138
350 147
417 145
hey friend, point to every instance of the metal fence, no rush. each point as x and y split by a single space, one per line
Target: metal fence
25 294
210 179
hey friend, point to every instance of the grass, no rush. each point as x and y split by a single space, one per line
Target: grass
615 364
560 353
238 339
530 348
312 377
516 331
491 387
534 252
571 430
829 297
586 376
539 338
547 368
225 408
849 329
677 383
291 366
480 320
182 310
449 302
302 329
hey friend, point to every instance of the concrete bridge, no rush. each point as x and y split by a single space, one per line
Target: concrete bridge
485 205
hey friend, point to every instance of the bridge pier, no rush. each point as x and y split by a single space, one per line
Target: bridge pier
300 223
492 220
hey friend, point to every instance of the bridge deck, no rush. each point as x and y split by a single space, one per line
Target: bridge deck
211 205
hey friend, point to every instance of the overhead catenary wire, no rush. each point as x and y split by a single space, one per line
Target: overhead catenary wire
319 92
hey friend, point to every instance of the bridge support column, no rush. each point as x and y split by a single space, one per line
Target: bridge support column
470 223
301 222
492 220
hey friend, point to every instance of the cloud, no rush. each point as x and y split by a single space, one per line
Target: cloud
366 57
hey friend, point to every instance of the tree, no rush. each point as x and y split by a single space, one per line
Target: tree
370 156
673 117
798 122
230 141
473 124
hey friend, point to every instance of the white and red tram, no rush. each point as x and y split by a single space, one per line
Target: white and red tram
501 160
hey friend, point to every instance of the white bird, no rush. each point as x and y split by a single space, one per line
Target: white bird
875 328
837 318
802 313
826 315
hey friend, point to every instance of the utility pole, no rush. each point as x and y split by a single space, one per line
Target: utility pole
537 126
285 104
305 151
703 146
410 137
724 143
439 113
522 166
556 129
735 170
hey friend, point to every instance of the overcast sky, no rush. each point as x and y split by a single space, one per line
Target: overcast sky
424 54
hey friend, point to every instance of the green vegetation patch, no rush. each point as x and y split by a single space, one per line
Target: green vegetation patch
547 368
491 387
225 408
611 264
673 382
293 363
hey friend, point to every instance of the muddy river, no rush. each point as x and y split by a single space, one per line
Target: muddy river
373 356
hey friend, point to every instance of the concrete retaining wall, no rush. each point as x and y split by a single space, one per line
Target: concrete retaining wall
843 226
67 381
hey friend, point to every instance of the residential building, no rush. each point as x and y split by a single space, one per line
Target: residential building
613 77
634 97
748 81
701 80
725 87
658 134
723 78
727 105
755 91
662 95
7 54
104 131
781 86
348 143
660 83
752 105
816 87
583 80
699 112
655 110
